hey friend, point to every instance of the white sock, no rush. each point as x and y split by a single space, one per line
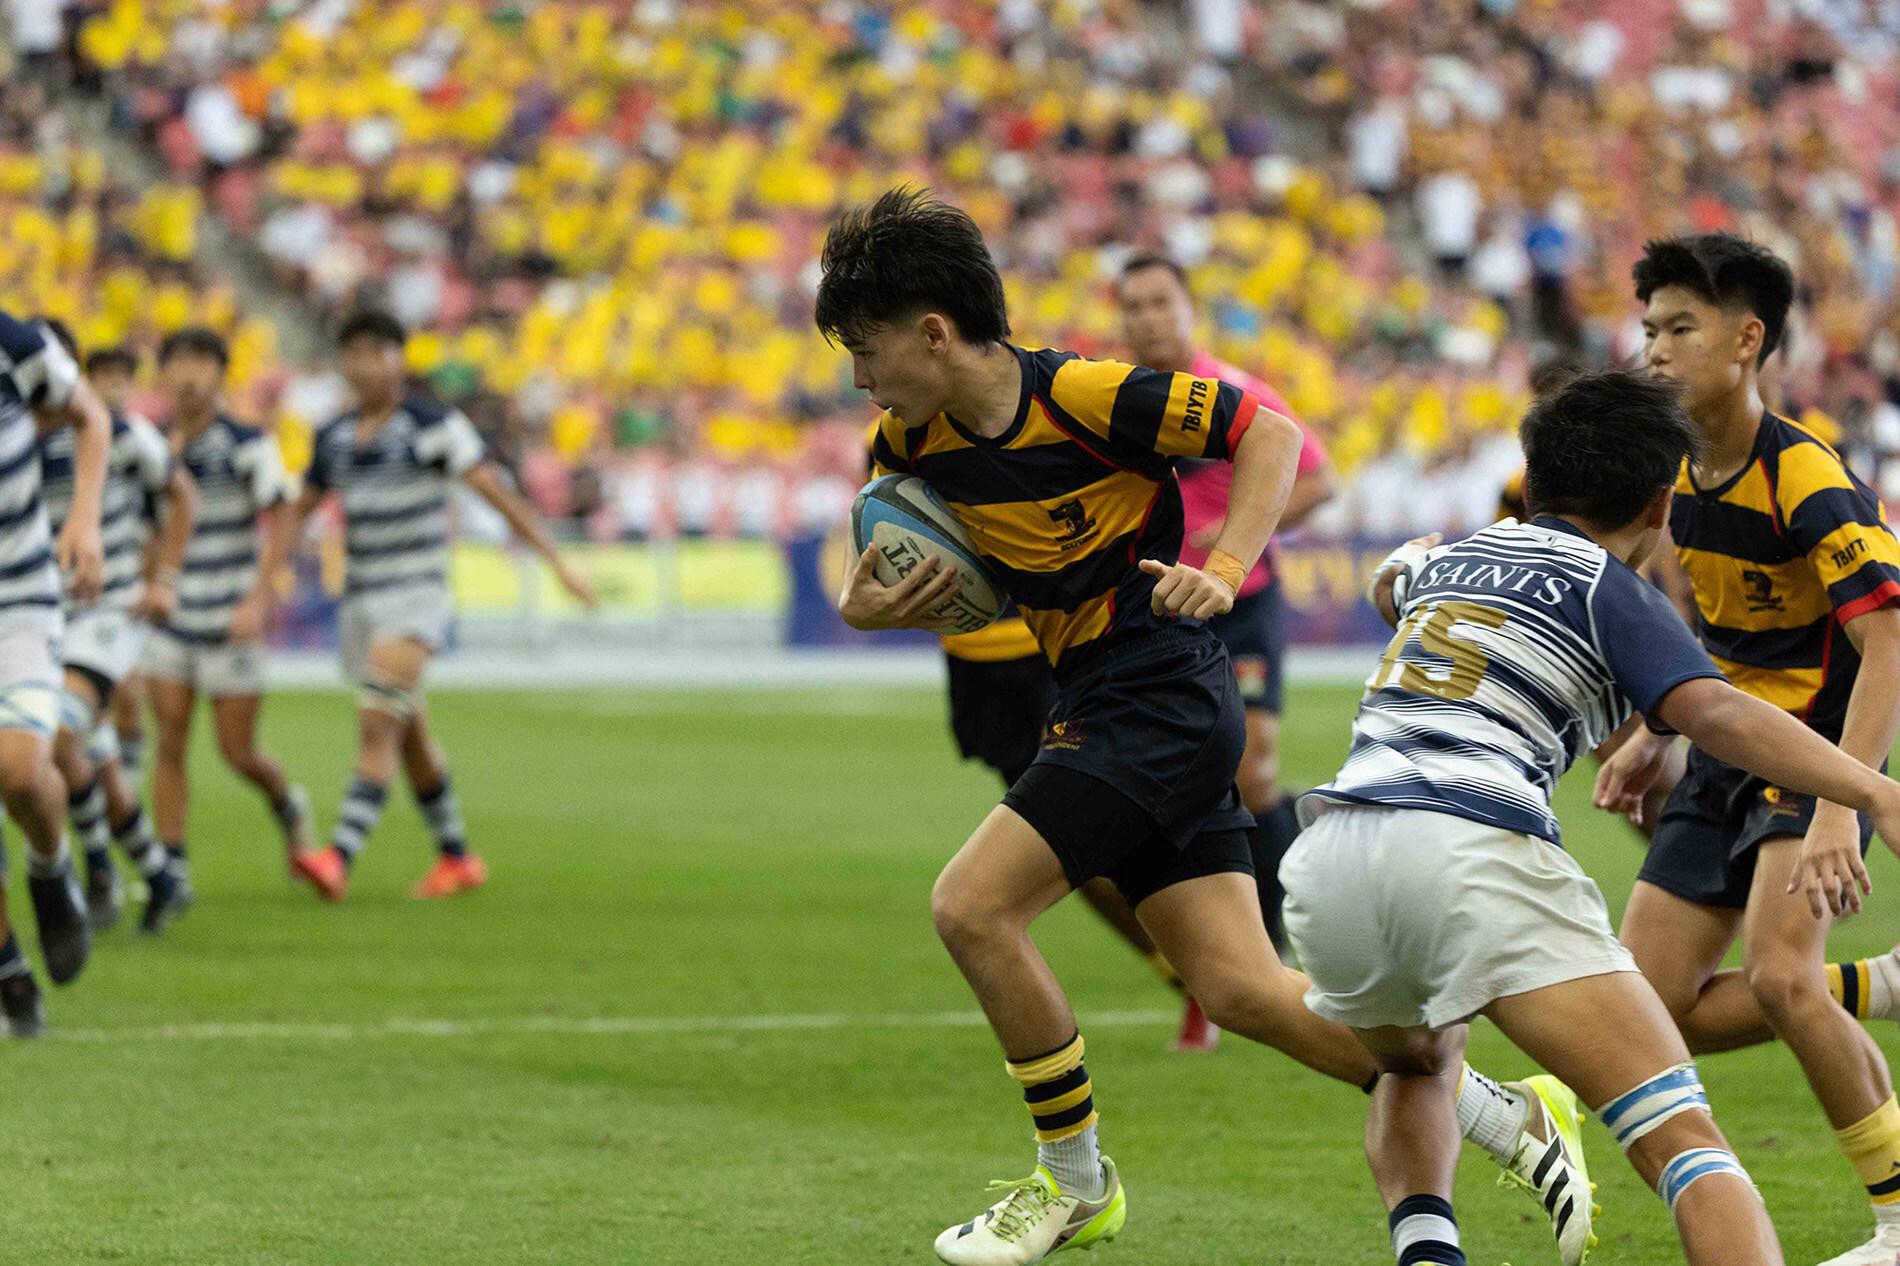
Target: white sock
1489 1115
1883 985
50 867
1076 1163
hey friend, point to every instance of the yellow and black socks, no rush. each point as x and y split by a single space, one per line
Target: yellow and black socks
1489 1115
1873 1145
1062 1102
1423 1230
1866 987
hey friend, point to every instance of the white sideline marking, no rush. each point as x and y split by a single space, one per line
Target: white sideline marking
264 1030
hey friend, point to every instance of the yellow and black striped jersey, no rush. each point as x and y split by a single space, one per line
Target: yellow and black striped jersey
1782 555
1079 489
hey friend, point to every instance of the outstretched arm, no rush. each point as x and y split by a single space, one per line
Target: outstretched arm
512 506
81 555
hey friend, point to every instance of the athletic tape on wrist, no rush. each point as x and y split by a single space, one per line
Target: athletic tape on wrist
1226 567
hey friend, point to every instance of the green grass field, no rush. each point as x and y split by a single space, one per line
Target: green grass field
700 1016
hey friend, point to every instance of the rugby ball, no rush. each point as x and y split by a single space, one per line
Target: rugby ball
908 522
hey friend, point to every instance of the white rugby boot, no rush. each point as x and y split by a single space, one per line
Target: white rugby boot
1549 1164
1033 1220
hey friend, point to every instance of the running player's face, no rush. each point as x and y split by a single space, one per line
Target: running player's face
1157 318
1696 343
192 380
903 369
373 368
113 385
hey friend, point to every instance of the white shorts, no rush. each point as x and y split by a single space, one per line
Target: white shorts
420 612
217 669
1406 917
30 679
105 640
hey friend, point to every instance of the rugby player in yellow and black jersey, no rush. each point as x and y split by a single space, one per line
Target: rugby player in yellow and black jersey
1797 589
1062 468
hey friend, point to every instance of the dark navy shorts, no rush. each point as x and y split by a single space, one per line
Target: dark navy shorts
1713 824
1254 633
1135 779
998 709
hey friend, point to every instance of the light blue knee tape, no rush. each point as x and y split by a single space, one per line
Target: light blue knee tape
1669 1093
1697 1162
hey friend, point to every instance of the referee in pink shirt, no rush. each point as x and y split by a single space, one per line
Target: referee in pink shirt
1157 314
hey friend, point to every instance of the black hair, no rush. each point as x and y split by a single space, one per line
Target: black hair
118 357
372 324
62 332
904 255
195 340
1726 270
1142 262
1601 446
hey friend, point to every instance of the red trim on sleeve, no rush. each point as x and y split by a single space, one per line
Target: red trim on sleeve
1861 606
1243 418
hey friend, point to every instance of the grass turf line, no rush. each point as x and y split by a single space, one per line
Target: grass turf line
665 854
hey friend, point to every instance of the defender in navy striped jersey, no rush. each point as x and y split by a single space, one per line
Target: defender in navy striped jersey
1430 885
213 642
392 462
1063 469
102 640
37 373
1796 578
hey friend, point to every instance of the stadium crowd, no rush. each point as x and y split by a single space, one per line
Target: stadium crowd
607 241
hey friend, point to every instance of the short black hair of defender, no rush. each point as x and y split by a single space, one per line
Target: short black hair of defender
1728 271
1601 446
63 333
1141 263
904 255
118 357
382 327
196 340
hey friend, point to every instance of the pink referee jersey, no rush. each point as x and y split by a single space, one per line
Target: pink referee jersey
1205 485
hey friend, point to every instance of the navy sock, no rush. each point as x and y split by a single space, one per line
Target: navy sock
1423 1230
12 960
444 816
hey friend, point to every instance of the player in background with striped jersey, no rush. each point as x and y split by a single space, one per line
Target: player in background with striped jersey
102 640
36 373
1158 326
113 373
1797 588
391 461
213 641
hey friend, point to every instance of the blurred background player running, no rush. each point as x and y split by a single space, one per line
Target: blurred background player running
212 642
102 640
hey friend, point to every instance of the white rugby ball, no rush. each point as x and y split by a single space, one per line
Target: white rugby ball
908 522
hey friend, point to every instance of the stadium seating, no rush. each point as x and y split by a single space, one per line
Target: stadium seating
610 242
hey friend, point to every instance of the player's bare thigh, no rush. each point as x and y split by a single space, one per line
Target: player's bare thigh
1678 944
1004 876
399 661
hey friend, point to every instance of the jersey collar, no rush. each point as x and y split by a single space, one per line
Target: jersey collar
1022 409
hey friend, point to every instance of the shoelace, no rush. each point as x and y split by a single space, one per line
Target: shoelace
1027 1200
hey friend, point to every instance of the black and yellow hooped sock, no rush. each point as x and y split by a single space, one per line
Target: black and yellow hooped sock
1056 1087
1873 1145
1852 985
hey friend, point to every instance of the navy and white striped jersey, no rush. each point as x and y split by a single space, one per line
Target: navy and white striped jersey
35 373
239 474
1518 650
138 467
394 486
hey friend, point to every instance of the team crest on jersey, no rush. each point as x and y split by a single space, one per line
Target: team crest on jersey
1073 522
1759 589
1066 735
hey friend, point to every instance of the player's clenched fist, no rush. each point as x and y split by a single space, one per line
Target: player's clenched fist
1189 591
868 603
